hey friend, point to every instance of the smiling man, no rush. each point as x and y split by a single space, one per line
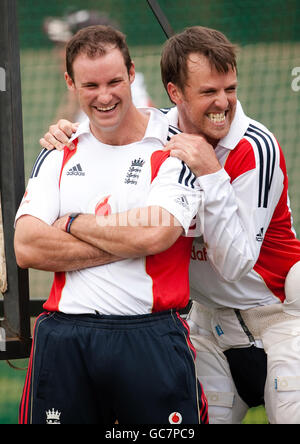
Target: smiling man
207 102
242 324
101 86
111 344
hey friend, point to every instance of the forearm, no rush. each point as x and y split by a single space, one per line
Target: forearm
47 248
130 234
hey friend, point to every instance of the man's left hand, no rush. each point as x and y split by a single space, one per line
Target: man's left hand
196 152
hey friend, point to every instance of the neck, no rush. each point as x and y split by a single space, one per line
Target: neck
131 130
189 128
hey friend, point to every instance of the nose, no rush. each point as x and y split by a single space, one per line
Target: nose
222 100
104 96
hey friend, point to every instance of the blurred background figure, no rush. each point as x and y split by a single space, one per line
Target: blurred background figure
60 30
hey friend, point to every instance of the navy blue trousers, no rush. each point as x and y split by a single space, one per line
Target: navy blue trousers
96 369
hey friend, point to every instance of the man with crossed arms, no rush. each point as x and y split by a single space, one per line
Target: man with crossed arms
111 344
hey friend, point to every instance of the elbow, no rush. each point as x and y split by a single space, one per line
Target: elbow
22 258
30 250
22 261
20 246
235 273
23 254
231 267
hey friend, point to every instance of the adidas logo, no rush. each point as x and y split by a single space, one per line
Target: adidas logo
260 235
76 171
182 200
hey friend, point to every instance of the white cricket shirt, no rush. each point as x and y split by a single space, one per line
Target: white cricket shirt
101 179
249 243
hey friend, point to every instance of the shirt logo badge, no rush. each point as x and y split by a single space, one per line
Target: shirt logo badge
175 418
260 235
182 201
76 171
134 171
103 208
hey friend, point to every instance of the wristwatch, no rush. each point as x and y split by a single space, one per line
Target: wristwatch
70 220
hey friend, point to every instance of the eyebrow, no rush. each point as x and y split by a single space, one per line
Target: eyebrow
88 83
206 88
91 83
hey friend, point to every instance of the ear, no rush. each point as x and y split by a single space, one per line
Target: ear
175 93
69 82
132 73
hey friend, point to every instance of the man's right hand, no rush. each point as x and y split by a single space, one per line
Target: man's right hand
59 135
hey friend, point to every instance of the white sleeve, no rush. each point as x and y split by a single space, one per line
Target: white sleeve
42 197
176 190
233 220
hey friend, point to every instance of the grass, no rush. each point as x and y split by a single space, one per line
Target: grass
11 387
256 415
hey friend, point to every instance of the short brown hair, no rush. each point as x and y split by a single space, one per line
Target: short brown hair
211 43
94 41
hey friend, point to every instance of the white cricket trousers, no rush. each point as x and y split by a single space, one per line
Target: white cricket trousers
281 342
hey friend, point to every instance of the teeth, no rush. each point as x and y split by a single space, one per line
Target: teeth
106 109
217 118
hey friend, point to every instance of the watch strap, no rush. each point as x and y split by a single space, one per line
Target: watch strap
70 220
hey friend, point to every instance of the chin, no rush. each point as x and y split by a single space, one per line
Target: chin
219 133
